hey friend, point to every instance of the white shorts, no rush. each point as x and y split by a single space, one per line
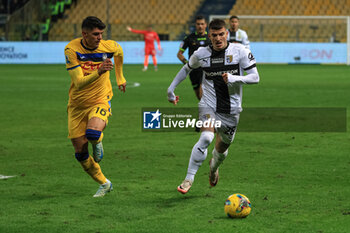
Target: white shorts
229 122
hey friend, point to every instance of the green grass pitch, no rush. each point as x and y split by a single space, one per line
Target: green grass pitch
296 182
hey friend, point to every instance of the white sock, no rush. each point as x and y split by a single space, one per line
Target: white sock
199 153
218 159
107 181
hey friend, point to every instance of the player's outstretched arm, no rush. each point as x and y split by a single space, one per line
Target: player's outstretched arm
246 41
252 77
121 82
158 42
181 57
81 81
181 75
175 100
136 31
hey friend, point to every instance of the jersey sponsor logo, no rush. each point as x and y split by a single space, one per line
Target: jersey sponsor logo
220 73
90 66
217 60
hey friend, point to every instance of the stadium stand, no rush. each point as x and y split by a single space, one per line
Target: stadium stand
61 20
169 18
294 30
216 7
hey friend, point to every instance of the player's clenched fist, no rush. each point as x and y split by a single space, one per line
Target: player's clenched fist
106 66
225 77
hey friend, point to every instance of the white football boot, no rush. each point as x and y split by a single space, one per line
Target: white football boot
185 186
103 189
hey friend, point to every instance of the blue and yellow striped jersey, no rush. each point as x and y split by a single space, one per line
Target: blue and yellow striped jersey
88 60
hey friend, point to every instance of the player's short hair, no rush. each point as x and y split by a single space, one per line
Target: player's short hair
200 17
92 22
234 17
217 24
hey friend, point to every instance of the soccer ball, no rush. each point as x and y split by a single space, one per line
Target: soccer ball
237 206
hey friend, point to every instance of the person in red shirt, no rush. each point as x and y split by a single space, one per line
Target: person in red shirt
149 37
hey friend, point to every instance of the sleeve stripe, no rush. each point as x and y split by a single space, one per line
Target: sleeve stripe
250 67
189 65
71 68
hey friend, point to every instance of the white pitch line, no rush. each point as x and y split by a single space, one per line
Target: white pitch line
3 177
135 84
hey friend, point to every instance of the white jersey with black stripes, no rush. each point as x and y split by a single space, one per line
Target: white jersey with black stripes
239 36
234 60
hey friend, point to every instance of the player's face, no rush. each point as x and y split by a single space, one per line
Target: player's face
201 25
234 23
93 37
218 38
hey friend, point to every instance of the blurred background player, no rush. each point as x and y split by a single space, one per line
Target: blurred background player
224 65
235 34
193 41
88 61
149 36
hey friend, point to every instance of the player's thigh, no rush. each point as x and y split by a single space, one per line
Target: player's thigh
77 121
227 131
150 51
98 116
196 76
80 144
205 114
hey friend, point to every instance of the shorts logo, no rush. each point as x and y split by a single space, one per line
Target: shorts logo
151 120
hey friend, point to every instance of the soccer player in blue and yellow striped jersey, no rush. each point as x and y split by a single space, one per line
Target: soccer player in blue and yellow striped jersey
88 61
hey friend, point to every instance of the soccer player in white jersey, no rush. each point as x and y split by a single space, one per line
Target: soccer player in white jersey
224 65
235 34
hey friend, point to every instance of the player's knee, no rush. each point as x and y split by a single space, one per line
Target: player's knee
206 138
82 156
93 135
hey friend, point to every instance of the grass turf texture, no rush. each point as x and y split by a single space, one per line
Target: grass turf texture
296 182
